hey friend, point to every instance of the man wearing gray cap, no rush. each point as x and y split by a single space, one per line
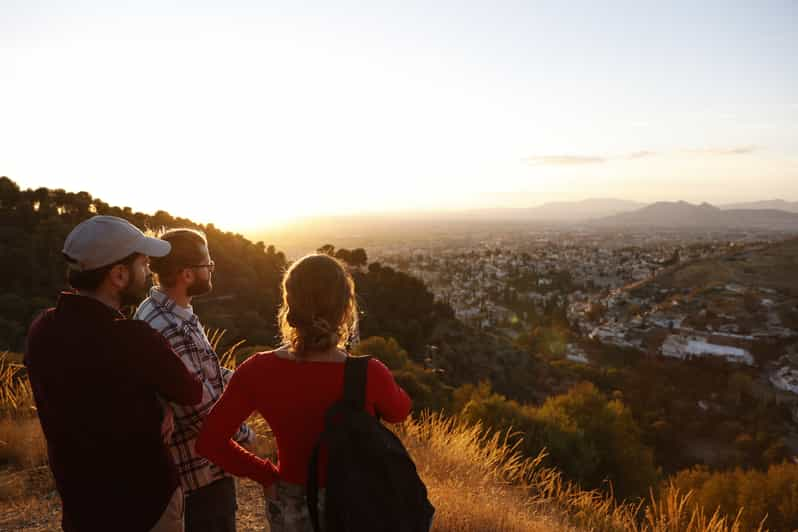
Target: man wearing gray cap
96 379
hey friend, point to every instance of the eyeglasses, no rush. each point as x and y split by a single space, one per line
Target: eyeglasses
211 266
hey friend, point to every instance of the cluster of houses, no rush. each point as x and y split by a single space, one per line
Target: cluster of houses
479 280
670 325
599 280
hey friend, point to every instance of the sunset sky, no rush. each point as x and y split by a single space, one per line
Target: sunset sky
249 113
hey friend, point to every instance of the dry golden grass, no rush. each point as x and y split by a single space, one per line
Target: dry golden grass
475 480
21 442
15 392
226 359
478 482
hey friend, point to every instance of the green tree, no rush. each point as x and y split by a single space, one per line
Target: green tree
9 193
771 495
387 350
327 249
593 440
359 257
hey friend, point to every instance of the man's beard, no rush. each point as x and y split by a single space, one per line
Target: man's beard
199 287
135 291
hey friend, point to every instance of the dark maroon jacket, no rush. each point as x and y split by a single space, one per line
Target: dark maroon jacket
95 376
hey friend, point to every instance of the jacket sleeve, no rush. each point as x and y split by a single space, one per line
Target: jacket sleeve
214 443
153 360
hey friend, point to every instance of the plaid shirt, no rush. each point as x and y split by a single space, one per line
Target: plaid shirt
185 333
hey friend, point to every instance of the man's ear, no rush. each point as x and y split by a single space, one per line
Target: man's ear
187 274
119 275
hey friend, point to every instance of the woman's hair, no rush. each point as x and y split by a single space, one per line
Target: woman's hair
186 251
319 310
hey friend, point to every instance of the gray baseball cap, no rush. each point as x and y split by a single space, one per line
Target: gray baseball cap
103 240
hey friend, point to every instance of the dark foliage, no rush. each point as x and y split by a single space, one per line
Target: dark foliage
35 223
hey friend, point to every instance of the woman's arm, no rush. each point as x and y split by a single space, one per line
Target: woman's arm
215 439
391 401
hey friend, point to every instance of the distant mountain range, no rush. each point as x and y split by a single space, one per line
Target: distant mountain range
560 211
355 230
779 215
778 204
683 215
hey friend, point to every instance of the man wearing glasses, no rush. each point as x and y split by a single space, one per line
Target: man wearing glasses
184 273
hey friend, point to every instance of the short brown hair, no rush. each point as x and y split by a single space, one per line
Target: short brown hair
319 310
186 244
90 280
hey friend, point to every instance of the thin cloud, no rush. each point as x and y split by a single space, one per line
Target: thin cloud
638 155
734 150
565 160
571 160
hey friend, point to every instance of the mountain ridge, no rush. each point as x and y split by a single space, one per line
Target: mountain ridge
778 204
683 215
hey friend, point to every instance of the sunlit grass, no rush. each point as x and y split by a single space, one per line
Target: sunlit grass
478 481
15 391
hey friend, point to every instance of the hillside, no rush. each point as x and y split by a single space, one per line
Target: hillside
695 404
755 286
771 267
35 223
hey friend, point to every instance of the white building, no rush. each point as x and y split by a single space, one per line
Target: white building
677 346
785 379
574 354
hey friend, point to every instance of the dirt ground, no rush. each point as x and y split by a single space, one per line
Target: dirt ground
39 510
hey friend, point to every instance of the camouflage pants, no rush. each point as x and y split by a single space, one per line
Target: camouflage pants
288 511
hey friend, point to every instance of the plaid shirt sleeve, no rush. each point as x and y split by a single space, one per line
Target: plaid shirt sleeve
189 419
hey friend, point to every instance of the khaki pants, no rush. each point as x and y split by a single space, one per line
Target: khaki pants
172 517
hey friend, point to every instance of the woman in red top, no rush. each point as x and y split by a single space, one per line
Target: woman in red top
293 386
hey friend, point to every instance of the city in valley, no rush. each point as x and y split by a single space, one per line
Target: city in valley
727 294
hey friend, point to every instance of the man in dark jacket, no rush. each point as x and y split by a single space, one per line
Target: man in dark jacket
96 380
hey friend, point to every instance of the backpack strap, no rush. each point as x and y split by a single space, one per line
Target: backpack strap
312 488
355 374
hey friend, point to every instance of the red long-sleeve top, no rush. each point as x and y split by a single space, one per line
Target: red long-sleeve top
292 397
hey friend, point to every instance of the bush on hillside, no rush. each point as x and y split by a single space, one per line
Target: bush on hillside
593 440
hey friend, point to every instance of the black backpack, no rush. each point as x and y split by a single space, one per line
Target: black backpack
372 483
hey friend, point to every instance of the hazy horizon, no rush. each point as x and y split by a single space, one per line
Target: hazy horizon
247 115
